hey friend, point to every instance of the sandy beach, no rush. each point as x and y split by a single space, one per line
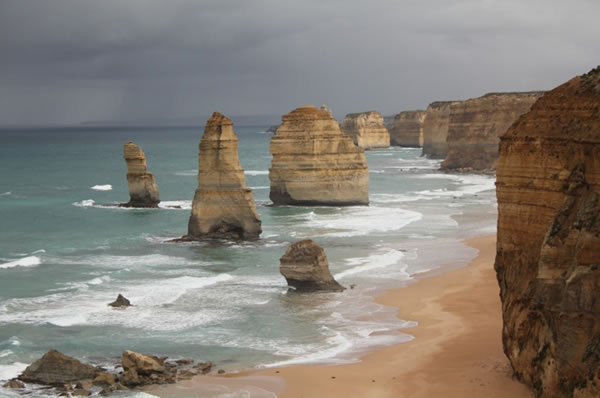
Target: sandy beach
457 350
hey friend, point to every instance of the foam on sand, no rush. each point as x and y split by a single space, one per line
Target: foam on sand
106 187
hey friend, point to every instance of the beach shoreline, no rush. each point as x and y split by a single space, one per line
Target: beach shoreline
456 352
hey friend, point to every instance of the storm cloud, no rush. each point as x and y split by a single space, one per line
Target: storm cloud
68 61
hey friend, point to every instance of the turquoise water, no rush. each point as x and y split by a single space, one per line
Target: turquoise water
65 254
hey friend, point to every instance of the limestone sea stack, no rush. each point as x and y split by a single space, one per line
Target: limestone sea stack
435 129
548 250
223 207
305 267
143 191
314 163
407 129
367 129
476 126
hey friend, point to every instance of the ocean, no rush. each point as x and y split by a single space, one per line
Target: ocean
65 252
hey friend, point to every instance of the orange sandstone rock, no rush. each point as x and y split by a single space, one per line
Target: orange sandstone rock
407 129
367 129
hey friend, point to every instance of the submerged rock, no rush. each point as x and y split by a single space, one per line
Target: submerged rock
367 129
55 368
548 250
314 163
223 207
120 302
14 383
304 265
143 191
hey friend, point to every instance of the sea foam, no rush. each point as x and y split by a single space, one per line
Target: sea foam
106 187
30 261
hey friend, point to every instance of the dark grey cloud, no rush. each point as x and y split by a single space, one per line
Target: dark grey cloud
67 61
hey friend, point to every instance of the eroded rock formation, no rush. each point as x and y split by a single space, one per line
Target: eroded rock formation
407 129
367 129
476 126
548 250
143 191
305 267
314 163
435 129
223 207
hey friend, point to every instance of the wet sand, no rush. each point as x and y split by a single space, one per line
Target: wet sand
457 350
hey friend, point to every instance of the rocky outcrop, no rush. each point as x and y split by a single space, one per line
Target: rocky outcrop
121 301
314 163
367 129
407 129
143 191
70 376
548 250
223 207
55 368
435 129
476 126
305 267
14 383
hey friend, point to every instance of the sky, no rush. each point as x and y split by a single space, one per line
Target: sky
72 61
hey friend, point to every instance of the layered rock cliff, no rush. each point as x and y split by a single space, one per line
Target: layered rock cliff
367 129
223 207
143 191
548 250
476 125
435 129
305 267
407 129
314 163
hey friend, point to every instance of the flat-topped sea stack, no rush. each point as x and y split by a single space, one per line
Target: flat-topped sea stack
315 164
476 126
367 129
143 191
548 250
435 129
223 207
305 267
407 129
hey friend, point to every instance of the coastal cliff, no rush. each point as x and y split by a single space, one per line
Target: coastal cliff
314 163
143 191
367 129
435 129
548 250
222 207
476 125
407 129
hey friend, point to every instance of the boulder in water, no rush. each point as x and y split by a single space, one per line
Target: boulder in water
120 302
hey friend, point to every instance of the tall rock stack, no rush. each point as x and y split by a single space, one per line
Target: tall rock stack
407 129
367 129
223 207
548 250
143 191
477 124
314 163
435 129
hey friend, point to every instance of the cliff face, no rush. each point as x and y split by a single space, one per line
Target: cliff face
314 163
223 207
367 129
548 250
435 129
143 191
477 124
407 129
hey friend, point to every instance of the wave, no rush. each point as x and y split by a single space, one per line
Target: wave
29 261
106 187
176 204
12 370
360 220
359 265
186 173
6 193
260 187
256 172
166 204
